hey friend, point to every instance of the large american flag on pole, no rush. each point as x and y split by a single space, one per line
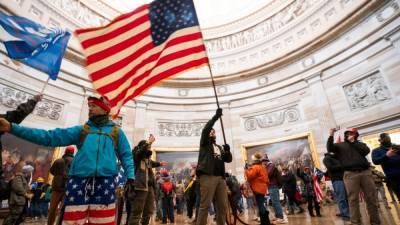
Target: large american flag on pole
138 49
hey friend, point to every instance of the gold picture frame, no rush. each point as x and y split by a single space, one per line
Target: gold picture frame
305 135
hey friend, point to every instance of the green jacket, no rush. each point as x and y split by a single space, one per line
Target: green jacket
19 187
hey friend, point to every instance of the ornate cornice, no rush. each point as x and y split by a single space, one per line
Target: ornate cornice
253 60
11 97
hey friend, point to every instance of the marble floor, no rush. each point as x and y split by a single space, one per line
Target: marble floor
389 217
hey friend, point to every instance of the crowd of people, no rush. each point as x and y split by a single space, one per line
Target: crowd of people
84 190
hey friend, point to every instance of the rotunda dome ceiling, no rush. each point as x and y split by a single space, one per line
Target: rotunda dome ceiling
246 39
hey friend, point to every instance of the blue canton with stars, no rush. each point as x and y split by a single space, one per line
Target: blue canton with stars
89 191
168 16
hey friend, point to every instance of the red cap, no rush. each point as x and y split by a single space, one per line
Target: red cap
70 149
352 130
101 102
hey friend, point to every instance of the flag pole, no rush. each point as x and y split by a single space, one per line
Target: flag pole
216 96
212 80
44 86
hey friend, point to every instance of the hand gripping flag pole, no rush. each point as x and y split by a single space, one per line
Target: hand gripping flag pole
216 98
215 90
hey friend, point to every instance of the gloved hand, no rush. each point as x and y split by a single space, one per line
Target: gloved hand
218 113
130 189
226 147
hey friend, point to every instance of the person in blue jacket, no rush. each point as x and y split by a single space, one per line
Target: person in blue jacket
388 156
90 188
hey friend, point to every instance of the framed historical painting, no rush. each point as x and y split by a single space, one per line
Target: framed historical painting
291 151
180 161
16 151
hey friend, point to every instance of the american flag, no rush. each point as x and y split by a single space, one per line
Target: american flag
318 174
138 49
90 199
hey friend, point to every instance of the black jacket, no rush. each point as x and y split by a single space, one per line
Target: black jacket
350 155
59 170
335 169
16 116
144 176
289 183
207 162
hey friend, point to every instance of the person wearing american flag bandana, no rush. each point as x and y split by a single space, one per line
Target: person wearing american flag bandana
90 189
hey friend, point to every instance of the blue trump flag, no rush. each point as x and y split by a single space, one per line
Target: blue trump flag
37 46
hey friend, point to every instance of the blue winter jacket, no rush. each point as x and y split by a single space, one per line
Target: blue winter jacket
96 156
390 165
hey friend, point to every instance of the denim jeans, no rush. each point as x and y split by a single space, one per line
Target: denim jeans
250 202
276 203
341 198
168 209
179 204
264 219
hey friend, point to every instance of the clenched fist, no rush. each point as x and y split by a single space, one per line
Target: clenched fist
5 126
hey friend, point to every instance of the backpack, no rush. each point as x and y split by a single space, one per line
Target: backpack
5 189
113 135
167 187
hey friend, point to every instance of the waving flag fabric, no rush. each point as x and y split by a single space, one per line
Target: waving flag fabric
138 49
37 46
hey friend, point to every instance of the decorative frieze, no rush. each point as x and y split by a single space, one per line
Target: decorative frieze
272 119
367 91
78 11
11 98
262 30
180 129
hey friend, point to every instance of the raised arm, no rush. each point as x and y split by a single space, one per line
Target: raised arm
330 146
209 125
23 110
51 138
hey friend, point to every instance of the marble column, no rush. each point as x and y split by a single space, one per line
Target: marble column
226 118
324 113
140 121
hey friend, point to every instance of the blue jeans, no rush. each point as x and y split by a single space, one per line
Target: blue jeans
341 198
168 209
262 210
179 204
276 203
250 202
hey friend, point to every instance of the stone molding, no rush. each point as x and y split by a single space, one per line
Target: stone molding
271 118
77 12
11 97
180 128
263 30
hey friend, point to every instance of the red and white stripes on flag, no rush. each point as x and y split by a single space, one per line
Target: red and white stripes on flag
317 189
123 59
94 215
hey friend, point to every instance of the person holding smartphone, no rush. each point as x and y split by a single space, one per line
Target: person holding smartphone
357 174
388 156
140 196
